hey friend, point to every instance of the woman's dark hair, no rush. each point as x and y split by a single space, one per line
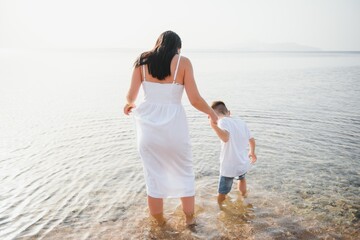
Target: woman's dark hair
159 58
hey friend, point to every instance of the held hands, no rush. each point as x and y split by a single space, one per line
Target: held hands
252 157
128 108
213 118
212 123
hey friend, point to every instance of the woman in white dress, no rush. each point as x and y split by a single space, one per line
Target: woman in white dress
162 129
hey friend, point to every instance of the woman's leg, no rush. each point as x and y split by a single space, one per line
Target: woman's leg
188 204
156 209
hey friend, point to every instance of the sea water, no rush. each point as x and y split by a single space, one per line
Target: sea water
69 168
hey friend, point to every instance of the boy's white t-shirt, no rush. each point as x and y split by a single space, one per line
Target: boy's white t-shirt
234 158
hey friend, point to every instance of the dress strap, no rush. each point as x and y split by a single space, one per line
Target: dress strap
143 70
176 69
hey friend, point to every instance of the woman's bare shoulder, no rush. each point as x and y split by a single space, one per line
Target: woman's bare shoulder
184 58
137 69
185 61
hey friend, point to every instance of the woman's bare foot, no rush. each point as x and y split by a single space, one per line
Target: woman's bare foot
190 220
160 220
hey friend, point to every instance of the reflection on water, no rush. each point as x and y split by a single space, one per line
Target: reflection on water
69 168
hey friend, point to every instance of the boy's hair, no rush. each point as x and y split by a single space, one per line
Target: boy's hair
219 107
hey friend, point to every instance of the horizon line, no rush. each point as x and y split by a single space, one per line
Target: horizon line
189 49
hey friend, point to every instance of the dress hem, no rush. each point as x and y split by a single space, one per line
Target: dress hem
170 196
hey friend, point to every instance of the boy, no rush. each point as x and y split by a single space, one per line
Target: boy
234 160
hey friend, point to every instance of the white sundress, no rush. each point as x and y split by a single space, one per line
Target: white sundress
163 140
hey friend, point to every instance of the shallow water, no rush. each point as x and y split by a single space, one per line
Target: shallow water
69 167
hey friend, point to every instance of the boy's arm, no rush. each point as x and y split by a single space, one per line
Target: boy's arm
222 134
252 154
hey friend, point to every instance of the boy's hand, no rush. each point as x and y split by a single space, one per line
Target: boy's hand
252 157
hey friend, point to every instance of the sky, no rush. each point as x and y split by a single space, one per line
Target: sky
202 24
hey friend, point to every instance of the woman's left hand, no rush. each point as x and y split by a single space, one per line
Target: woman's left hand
128 108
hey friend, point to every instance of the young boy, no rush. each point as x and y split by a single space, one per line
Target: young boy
234 159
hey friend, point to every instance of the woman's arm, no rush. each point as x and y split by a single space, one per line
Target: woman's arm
133 90
193 93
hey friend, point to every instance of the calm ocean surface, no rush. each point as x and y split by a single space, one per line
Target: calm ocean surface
69 167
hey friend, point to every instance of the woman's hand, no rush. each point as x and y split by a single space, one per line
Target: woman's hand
128 108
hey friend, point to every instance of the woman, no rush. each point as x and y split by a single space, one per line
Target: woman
162 130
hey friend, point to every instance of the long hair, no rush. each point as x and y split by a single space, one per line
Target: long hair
159 58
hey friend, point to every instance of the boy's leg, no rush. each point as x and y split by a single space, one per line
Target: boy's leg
225 184
242 186
188 205
221 198
156 209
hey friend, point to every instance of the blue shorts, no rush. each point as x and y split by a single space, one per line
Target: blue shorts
225 183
